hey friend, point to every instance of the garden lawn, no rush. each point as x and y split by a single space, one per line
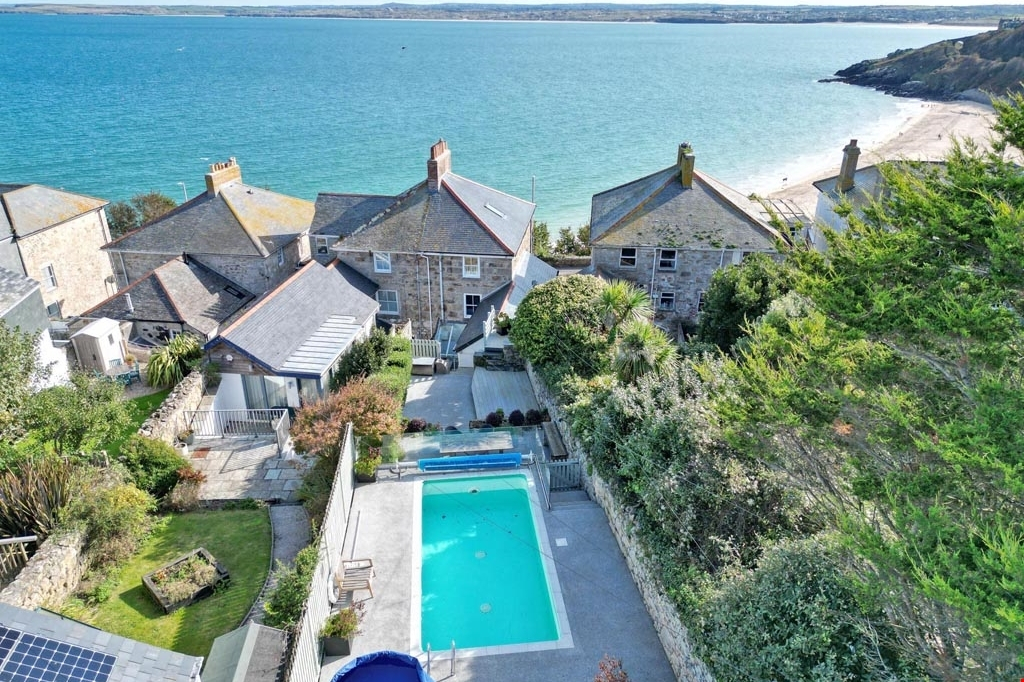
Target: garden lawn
141 408
239 539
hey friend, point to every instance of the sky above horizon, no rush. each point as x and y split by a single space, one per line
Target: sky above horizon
330 3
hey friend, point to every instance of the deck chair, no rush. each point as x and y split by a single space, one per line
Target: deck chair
355 574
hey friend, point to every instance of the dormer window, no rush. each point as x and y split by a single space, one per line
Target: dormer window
381 262
321 245
471 267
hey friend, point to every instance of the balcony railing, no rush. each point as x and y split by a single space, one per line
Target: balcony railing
238 423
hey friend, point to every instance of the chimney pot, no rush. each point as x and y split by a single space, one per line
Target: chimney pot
685 161
439 164
222 173
851 152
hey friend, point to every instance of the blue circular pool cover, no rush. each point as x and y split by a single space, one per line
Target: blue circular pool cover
383 666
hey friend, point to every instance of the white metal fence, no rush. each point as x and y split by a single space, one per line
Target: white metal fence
304 662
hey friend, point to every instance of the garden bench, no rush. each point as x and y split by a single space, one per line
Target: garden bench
554 442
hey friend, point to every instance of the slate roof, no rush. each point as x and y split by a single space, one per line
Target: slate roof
27 209
658 211
135 662
240 220
252 653
182 291
339 215
14 287
474 328
462 217
286 324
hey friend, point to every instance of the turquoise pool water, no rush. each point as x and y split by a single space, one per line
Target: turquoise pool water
483 576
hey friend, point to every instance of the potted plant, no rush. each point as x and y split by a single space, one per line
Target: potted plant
502 324
187 436
339 629
365 467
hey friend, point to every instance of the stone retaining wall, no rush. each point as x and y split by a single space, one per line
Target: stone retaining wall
673 634
168 421
51 575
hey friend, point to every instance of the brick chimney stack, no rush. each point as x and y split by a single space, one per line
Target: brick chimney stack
221 174
438 165
851 152
685 161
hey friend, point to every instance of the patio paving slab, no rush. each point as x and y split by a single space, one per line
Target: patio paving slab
444 399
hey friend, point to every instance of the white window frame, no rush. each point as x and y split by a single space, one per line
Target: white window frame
322 245
466 312
662 260
381 261
667 300
49 277
385 303
471 267
624 260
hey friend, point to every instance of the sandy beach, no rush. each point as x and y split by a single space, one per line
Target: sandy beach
925 135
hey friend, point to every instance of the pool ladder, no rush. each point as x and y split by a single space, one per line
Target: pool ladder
451 671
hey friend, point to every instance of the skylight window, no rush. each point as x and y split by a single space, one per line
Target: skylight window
495 211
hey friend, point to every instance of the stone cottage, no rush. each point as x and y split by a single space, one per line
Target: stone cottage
436 251
55 237
249 235
670 231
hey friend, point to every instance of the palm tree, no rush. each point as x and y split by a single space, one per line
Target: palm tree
621 301
642 349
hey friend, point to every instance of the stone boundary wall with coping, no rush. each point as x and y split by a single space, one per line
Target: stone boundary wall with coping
51 575
671 631
168 420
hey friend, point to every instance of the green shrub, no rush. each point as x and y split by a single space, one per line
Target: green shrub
316 489
114 513
152 464
285 602
795 617
559 322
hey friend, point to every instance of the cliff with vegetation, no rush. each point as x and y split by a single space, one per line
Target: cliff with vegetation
991 63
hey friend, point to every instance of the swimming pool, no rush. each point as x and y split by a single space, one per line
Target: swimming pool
487 579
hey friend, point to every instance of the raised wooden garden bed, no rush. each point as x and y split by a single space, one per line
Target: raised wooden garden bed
185 580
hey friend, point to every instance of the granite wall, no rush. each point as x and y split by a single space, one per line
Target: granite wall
169 419
673 634
51 575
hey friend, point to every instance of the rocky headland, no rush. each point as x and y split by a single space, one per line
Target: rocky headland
978 67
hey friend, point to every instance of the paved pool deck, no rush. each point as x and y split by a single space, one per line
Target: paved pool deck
602 604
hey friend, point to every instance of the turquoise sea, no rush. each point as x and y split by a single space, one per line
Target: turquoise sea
112 106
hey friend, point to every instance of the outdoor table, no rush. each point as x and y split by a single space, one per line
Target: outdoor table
469 443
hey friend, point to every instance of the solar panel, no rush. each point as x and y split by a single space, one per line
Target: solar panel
30 658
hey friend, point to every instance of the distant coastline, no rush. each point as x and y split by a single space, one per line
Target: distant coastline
583 12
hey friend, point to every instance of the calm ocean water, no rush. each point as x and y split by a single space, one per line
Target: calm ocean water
112 106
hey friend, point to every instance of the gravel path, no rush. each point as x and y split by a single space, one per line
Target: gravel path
291 533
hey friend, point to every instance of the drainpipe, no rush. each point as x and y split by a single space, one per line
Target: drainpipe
430 303
654 269
440 283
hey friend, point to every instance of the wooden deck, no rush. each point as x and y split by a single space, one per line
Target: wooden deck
507 390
